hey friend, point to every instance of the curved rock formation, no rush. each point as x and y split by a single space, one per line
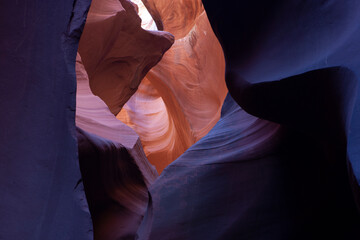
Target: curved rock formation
282 39
270 181
115 170
190 81
177 17
269 163
295 185
116 52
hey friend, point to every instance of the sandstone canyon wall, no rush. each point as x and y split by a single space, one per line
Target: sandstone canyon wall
169 112
41 195
275 158
294 180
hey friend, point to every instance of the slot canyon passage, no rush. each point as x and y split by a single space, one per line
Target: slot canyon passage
180 119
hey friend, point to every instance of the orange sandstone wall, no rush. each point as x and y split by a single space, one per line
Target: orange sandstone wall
179 100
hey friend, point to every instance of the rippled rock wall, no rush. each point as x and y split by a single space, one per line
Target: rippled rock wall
276 157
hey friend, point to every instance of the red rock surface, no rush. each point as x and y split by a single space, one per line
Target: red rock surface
181 97
116 52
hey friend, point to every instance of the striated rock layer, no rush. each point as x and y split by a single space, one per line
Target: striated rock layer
180 98
116 53
115 171
274 166
254 179
285 179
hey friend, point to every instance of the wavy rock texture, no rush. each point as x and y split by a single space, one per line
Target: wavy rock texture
115 170
180 99
177 17
272 164
254 179
117 53
286 179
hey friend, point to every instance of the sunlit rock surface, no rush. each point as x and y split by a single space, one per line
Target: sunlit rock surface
177 17
180 99
116 53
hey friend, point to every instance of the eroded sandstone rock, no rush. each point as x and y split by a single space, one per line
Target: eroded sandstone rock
115 171
190 81
116 52
40 193
250 178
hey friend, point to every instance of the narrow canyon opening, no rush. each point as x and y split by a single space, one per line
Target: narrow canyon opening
144 97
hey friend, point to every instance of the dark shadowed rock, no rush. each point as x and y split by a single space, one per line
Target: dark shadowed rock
253 179
39 173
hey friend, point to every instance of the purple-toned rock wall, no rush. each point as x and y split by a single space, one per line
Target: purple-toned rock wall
278 159
41 193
